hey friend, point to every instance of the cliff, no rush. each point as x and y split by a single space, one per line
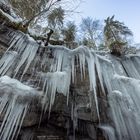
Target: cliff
56 93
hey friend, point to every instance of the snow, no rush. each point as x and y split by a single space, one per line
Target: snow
5 80
10 18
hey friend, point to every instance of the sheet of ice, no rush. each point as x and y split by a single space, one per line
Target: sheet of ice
117 64
108 132
130 68
136 62
124 107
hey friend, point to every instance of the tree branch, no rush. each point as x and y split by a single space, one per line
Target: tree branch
9 21
42 12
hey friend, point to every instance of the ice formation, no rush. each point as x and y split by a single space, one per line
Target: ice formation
15 99
108 132
22 53
123 96
56 68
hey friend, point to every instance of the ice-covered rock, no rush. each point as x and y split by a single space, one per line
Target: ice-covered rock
99 84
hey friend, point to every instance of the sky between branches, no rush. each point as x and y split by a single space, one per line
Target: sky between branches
127 11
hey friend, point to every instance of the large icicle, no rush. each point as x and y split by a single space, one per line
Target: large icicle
7 62
26 49
92 78
27 56
99 72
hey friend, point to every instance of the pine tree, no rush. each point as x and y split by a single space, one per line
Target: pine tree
114 31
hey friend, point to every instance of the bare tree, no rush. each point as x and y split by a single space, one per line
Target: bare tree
91 31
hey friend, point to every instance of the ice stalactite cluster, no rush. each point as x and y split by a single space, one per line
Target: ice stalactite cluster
65 64
63 70
20 54
57 76
15 99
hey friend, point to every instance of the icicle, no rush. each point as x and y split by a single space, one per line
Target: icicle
14 104
21 44
60 60
26 49
7 61
92 78
57 60
82 65
12 120
3 103
99 72
30 57
17 37
27 57
52 84
73 69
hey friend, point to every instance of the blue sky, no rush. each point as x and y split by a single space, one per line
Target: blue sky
127 11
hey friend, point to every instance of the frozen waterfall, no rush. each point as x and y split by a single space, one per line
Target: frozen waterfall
54 70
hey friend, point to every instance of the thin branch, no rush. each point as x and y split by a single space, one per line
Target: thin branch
42 12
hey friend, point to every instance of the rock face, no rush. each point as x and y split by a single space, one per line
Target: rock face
81 94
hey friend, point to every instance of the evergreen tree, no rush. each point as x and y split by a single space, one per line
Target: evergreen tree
114 32
56 18
69 33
